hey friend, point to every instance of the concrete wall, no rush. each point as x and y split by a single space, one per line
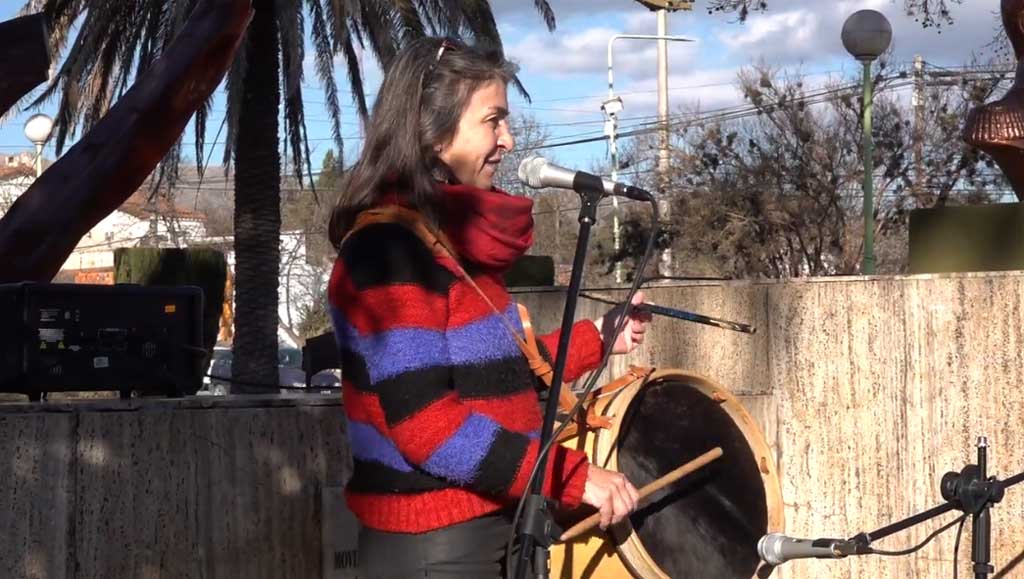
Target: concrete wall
869 390
204 488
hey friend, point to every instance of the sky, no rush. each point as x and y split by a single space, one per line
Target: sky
565 71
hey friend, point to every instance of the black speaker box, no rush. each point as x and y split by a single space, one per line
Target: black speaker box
77 337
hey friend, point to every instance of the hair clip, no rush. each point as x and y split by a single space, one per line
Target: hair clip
440 51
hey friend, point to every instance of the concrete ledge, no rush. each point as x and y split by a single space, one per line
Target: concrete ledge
157 404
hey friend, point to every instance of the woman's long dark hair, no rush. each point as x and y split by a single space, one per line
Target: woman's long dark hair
420 102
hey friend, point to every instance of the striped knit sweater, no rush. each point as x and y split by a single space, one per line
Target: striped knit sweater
443 417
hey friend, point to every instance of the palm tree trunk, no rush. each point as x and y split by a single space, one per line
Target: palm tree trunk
258 208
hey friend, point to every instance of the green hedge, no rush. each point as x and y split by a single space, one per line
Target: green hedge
206 268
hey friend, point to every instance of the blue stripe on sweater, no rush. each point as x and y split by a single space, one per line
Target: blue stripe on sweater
371 446
485 340
393 352
459 458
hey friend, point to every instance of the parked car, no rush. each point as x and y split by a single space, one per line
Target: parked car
290 373
217 379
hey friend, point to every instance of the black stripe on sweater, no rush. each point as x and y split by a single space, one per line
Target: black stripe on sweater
494 379
387 253
354 368
499 467
372 477
404 395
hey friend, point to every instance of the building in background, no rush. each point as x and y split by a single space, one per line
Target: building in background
138 222
179 219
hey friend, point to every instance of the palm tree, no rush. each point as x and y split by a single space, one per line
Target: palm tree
116 40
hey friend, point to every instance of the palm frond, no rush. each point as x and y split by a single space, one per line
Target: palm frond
323 49
234 89
202 116
290 31
336 13
62 15
378 23
448 16
409 20
355 78
547 13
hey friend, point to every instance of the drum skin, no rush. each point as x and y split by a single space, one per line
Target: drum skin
706 525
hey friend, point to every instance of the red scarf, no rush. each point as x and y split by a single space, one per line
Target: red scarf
488 227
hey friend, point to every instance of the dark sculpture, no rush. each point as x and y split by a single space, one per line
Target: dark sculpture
24 58
113 159
997 128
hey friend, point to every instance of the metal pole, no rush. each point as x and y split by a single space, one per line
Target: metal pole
662 165
614 149
39 159
665 264
917 102
868 266
616 229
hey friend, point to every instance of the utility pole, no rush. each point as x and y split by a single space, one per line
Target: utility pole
918 102
665 263
612 107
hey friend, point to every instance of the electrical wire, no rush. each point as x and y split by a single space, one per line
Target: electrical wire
956 546
922 544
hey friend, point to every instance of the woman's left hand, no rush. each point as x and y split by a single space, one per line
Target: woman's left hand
632 334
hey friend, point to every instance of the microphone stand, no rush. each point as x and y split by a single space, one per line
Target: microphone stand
537 530
970 491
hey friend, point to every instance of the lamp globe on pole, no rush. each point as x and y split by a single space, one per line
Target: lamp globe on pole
866 35
37 129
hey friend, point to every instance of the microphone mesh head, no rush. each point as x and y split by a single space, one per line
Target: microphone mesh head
530 169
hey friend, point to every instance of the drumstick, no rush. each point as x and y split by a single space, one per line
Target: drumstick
677 314
648 490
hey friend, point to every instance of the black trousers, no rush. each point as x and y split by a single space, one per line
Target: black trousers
474 549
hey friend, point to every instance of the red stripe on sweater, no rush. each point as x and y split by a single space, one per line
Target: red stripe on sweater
471 306
584 349
422 512
422 433
565 477
340 284
363 407
518 412
395 306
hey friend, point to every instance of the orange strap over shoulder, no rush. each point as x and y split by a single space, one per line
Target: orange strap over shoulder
442 247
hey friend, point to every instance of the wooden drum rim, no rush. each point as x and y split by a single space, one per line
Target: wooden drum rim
603 452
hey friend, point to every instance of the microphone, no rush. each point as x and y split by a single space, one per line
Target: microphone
776 549
538 173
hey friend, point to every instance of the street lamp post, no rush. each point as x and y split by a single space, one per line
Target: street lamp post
613 106
37 129
866 35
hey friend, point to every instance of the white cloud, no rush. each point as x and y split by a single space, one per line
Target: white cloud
563 9
786 35
586 52
810 29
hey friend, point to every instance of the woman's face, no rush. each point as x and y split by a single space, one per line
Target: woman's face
482 137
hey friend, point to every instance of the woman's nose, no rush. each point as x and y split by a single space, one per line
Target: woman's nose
505 138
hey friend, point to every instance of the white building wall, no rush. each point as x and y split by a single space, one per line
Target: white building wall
11 189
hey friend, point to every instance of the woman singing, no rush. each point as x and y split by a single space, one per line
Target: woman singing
443 415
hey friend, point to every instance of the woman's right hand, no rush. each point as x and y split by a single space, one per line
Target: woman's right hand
610 493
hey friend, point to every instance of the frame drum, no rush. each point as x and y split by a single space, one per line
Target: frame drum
704 526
